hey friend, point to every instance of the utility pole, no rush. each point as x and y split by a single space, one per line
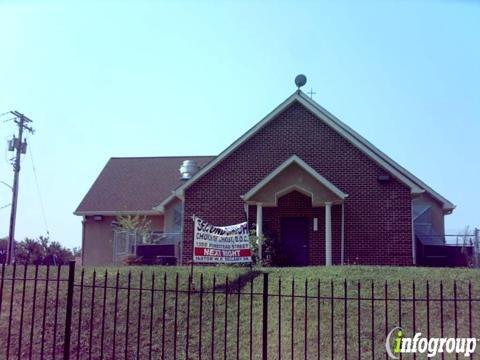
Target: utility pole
19 145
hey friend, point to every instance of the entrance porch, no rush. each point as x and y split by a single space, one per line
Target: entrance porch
301 213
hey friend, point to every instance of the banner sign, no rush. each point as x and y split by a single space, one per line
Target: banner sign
221 244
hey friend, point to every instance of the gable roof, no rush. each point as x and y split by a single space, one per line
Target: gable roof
416 185
134 185
294 159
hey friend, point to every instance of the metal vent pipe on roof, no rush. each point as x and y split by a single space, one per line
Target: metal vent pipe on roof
188 169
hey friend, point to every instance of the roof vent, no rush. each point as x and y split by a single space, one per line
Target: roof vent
188 169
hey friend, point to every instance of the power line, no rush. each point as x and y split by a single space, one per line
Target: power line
7 185
8 113
39 193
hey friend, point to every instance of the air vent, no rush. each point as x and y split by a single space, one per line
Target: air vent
188 169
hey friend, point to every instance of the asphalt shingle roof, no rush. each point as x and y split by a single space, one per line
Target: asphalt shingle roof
135 184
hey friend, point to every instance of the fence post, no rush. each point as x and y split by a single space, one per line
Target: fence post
265 317
68 315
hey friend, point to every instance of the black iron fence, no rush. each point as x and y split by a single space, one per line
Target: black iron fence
57 312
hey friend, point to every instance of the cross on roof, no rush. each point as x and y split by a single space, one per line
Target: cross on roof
311 93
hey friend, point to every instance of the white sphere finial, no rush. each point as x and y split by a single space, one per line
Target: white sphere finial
300 80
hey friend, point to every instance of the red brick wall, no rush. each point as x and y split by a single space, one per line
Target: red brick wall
377 215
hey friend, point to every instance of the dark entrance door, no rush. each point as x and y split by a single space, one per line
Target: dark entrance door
294 235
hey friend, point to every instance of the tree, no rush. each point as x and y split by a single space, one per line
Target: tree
135 222
57 254
38 251
30 251
138 225
466 240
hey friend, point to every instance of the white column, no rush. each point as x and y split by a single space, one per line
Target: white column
328 233
343 234
259 229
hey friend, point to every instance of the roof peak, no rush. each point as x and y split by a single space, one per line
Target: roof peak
416 185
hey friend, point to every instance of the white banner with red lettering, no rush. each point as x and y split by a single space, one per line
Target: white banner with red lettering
221 244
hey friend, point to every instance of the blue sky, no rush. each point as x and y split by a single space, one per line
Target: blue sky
149 78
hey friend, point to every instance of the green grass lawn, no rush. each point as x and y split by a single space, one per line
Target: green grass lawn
232 311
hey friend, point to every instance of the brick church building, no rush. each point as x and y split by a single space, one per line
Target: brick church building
300 176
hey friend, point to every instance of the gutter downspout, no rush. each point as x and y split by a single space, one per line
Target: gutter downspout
414 245
180 245
84 220
343 234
